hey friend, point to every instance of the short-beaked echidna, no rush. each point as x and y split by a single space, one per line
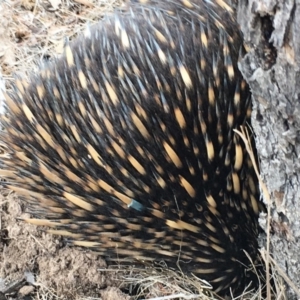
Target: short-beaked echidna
125 144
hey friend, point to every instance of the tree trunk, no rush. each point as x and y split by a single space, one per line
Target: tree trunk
272 32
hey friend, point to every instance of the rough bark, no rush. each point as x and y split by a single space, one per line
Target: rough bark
272 32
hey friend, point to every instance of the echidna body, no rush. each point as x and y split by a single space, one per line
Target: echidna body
126 144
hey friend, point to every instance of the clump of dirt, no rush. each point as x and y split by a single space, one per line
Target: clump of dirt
55 268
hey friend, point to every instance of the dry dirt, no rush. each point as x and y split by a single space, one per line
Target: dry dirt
44 261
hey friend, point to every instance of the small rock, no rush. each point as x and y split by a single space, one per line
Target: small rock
25 290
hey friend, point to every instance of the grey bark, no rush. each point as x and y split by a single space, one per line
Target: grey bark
271 29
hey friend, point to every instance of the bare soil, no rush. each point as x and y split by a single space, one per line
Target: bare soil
43 261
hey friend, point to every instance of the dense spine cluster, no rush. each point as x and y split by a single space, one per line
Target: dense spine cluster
125 144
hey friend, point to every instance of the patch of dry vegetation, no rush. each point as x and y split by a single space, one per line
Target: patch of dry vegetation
34 30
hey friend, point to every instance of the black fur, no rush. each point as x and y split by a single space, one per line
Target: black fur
211 236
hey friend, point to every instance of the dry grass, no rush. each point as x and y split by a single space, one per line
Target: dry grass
34 31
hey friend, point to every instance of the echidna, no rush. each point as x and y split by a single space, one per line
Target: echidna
125 144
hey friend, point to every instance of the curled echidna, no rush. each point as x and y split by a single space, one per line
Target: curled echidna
125 144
